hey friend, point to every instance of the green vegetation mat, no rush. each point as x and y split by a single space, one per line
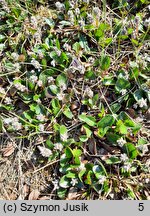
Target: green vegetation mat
74 99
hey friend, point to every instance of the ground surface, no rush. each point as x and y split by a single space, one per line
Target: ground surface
74 99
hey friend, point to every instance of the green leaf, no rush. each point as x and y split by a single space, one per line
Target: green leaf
77 152
87 131
53 55
28 115
54 89
143 1
64 162
90 75
83 43
77 160
64 57
99 33
16 11
1 125
2 37
130 30
43 78
49 144
61 80
61 192
109 80
130 102
106 186
98 171
135 73
108 41
63 130
135 42
112 137
67 112
56 126
104 124
48 72
81 173
71 174
142 141
57 43
64 182
88 119
36 97
26 97
97 187
76 46
44 63
35 108
69 152
115 107
122 84
2 46
83 138
104 26
130 192
123 116
130 150
56 106
139 94
88 178
134 126
128 122
105 62
121 128
113 160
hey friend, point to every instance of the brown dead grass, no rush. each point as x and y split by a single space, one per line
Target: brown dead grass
21 173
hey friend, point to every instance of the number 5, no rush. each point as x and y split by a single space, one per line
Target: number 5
141 206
